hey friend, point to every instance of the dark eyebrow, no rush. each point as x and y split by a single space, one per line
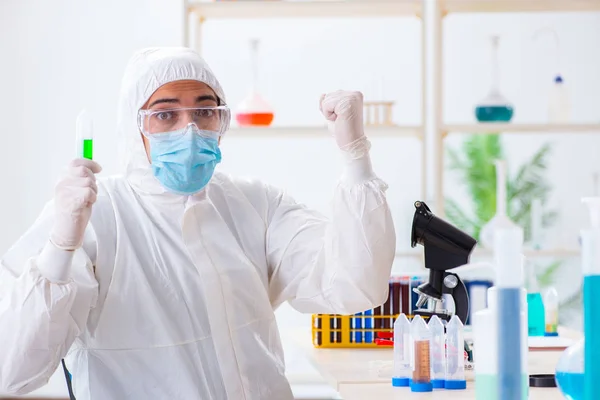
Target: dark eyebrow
159 101
206 97
198 100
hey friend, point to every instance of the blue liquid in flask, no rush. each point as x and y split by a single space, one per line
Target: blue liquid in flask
491 113
570 384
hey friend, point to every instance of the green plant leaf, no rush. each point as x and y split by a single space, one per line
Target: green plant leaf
457 217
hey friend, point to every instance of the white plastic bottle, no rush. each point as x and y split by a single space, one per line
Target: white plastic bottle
559 102
485 348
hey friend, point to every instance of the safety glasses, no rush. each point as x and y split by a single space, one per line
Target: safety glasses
154 123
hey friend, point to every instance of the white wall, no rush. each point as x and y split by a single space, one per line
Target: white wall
60 56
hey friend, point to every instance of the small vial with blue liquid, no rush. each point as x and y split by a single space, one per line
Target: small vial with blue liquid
536 315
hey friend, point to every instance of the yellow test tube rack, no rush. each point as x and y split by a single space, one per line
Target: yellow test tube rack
343 331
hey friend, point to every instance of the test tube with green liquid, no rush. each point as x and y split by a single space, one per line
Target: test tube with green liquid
85 135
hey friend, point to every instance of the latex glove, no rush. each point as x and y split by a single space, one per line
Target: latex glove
345 110
74 196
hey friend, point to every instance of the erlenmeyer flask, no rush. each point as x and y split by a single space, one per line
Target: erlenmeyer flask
494 107
254 110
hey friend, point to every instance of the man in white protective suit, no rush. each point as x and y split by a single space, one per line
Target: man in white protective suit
162 283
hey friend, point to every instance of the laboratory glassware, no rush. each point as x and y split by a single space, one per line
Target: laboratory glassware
402 370
551 312
254 109
590 257
536 315
455 357
421 373
485 348
494 107
508 245
84 129
570 372
438 352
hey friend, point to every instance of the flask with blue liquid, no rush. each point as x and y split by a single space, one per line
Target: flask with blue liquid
494 107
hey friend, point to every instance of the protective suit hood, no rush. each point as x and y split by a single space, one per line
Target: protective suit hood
148 70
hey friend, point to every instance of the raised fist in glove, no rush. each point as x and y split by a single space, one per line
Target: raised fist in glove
74 196
344 110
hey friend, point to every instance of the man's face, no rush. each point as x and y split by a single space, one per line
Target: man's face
180 94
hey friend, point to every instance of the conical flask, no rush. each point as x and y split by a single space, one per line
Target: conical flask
494 107
254 110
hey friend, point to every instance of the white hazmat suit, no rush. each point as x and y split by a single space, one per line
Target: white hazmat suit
173 297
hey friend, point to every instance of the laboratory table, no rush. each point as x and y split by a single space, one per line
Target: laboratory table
365 374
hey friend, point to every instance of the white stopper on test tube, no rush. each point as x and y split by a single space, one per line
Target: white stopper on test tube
402 359
84 129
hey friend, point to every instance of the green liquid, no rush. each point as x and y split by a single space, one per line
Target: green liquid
88 149
486 387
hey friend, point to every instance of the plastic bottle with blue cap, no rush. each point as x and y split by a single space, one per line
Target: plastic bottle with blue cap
438 352
455 358
402 368
421 362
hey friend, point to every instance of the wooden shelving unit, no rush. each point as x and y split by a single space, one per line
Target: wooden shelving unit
432 14
321 131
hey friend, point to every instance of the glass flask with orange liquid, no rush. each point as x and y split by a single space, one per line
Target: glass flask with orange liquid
254 110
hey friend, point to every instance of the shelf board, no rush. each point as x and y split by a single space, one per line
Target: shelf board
304 9
557 252
492 6
485 253
320 131
492 128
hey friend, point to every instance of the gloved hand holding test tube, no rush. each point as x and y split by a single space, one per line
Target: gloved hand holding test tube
76 192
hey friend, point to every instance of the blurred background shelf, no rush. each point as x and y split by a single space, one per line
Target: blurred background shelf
493 128
304 9
498 6
316 131
484 253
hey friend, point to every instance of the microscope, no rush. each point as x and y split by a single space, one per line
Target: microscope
446 247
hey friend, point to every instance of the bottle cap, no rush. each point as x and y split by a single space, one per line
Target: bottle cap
542 380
